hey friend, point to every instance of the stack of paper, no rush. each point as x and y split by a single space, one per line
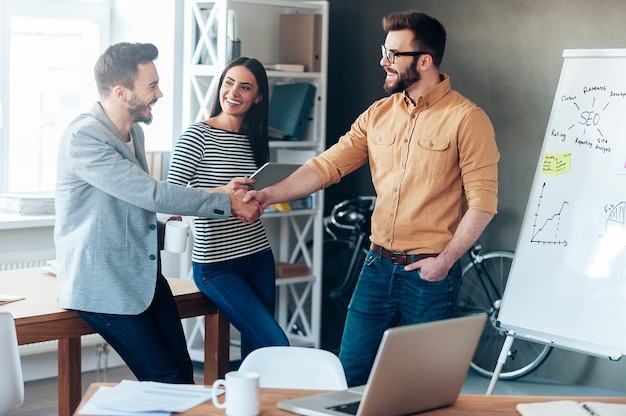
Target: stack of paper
9 298
145 398
571 408
31 203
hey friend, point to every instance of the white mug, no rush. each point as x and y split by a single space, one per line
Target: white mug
242 396
176 236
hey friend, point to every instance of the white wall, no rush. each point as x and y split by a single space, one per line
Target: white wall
148 21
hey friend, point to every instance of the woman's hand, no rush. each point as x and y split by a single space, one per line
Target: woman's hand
242 183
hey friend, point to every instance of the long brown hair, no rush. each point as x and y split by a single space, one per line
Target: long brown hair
255 121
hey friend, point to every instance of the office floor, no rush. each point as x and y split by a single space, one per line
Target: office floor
531 386
41 399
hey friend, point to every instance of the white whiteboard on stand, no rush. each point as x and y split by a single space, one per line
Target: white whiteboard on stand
567 285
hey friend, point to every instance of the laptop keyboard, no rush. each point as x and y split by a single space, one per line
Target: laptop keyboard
348 408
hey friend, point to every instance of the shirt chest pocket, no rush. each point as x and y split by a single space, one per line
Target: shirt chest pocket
381 154
432 156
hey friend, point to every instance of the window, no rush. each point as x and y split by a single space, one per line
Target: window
49 49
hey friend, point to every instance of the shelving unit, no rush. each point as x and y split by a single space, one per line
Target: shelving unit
208 30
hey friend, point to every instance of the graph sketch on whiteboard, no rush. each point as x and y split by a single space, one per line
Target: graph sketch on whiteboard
547 228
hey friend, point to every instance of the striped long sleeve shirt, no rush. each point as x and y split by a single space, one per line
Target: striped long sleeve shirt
207 157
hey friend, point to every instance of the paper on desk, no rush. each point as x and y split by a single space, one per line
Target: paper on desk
101 401
145 398
571 408
9 298
51 267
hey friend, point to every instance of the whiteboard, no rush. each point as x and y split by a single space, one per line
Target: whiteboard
567 284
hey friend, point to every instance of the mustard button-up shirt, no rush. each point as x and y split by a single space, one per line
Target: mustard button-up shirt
429 162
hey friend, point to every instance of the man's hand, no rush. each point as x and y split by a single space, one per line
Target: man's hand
431 269
258 196
246 212
303 182
472 225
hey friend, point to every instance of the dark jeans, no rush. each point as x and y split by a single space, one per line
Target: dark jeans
387 296
244 290
152 343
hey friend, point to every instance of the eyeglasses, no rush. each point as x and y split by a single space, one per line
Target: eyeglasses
391 55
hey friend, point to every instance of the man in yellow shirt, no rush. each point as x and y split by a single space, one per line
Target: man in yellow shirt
433 160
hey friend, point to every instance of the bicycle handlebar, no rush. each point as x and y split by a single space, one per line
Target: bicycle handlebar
352 214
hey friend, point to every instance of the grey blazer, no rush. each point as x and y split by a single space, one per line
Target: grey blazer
106 230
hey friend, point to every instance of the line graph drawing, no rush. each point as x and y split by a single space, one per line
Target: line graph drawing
548 232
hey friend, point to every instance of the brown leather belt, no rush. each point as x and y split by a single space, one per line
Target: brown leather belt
399 258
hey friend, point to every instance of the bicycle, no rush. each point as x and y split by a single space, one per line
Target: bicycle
484 278
345 245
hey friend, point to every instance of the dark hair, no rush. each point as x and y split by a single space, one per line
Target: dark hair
255 121
429 34
118 65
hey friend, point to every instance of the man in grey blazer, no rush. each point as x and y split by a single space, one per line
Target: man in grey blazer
106 234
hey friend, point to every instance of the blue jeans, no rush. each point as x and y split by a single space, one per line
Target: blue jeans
386 296
244 290
152 343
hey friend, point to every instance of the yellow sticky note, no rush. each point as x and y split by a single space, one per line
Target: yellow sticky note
556 164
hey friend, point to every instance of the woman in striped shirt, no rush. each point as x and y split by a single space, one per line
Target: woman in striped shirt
232 262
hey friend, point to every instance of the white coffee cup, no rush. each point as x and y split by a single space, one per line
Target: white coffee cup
176 236
242 396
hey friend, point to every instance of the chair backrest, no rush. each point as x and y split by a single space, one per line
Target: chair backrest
11 379
296 368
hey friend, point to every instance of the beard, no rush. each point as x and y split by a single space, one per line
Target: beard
404 81
137 111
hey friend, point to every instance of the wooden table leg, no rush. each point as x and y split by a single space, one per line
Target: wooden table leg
216 347
70 387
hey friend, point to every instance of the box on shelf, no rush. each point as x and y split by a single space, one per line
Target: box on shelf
300 40
291 270
284 67
302 203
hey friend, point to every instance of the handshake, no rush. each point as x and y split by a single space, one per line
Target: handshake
245 204
248 204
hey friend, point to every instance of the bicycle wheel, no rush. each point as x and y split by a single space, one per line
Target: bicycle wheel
484 281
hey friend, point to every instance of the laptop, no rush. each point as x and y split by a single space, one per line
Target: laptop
417 368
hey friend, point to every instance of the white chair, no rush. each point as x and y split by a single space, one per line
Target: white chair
296 368
11 379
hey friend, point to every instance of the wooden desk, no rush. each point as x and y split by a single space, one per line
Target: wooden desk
466 405
39 318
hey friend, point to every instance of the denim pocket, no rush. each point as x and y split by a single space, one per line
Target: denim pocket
453 274
432 282
370 259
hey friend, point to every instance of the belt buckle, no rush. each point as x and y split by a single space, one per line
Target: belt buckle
402 256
